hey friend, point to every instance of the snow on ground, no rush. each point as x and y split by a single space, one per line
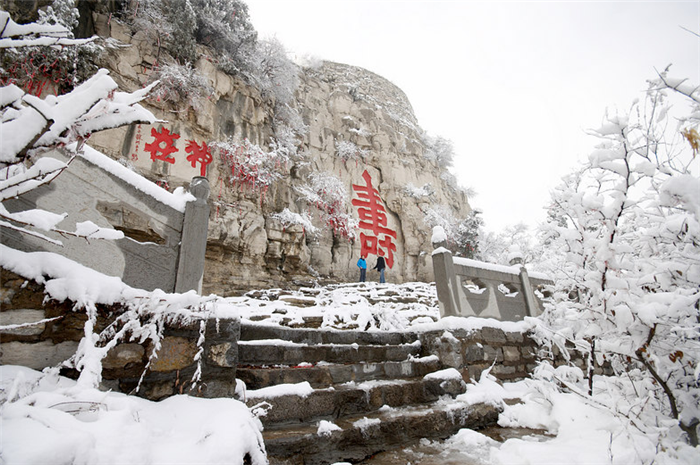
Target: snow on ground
545 426
369 306
49 419
302 389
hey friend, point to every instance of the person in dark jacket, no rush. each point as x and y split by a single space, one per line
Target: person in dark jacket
380 266
362 265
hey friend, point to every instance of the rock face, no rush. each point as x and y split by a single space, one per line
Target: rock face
357 123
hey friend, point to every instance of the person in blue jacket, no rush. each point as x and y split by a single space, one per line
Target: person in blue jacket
362 265
380 266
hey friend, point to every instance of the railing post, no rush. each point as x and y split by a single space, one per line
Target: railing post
446 283
193 244
530 304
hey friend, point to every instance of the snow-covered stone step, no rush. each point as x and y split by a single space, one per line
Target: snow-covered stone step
356 437
282 352
251 331
323 374
297 403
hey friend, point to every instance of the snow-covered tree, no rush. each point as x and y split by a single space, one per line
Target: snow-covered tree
224 25
275 73
626 226
514 240
179 25
277 76
468 233
30 125
462 235
440 149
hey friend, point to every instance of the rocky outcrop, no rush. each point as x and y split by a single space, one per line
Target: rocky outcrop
356 122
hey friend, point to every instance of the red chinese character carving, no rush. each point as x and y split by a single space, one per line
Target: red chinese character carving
198 154
134 155
373 218
163 143
368 245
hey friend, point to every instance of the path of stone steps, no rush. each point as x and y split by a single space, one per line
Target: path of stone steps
369 391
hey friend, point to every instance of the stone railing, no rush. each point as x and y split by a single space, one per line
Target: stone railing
470 288
165 233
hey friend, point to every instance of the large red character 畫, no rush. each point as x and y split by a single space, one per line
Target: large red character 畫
373 219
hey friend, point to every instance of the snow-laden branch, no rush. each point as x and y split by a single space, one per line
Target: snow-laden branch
31 122
18 179
13 35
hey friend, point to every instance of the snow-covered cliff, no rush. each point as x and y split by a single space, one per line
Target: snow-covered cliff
360 175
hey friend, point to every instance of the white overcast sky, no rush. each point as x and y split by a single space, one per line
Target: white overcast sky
514 85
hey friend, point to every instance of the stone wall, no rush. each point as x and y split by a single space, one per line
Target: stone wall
50 343
512 354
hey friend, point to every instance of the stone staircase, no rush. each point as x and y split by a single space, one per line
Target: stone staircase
333 396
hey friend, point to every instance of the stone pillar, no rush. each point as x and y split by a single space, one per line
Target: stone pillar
190 269
446 283
528 294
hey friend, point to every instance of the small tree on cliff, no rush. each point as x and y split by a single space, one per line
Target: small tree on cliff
627 228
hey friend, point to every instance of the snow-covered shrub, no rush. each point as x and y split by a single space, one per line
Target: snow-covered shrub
169 25
247 165
347 150
181 85
289 218
328 194
277 76
468 234
424 192
309 61
498 247
440 215
288 136
224 25
179 25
